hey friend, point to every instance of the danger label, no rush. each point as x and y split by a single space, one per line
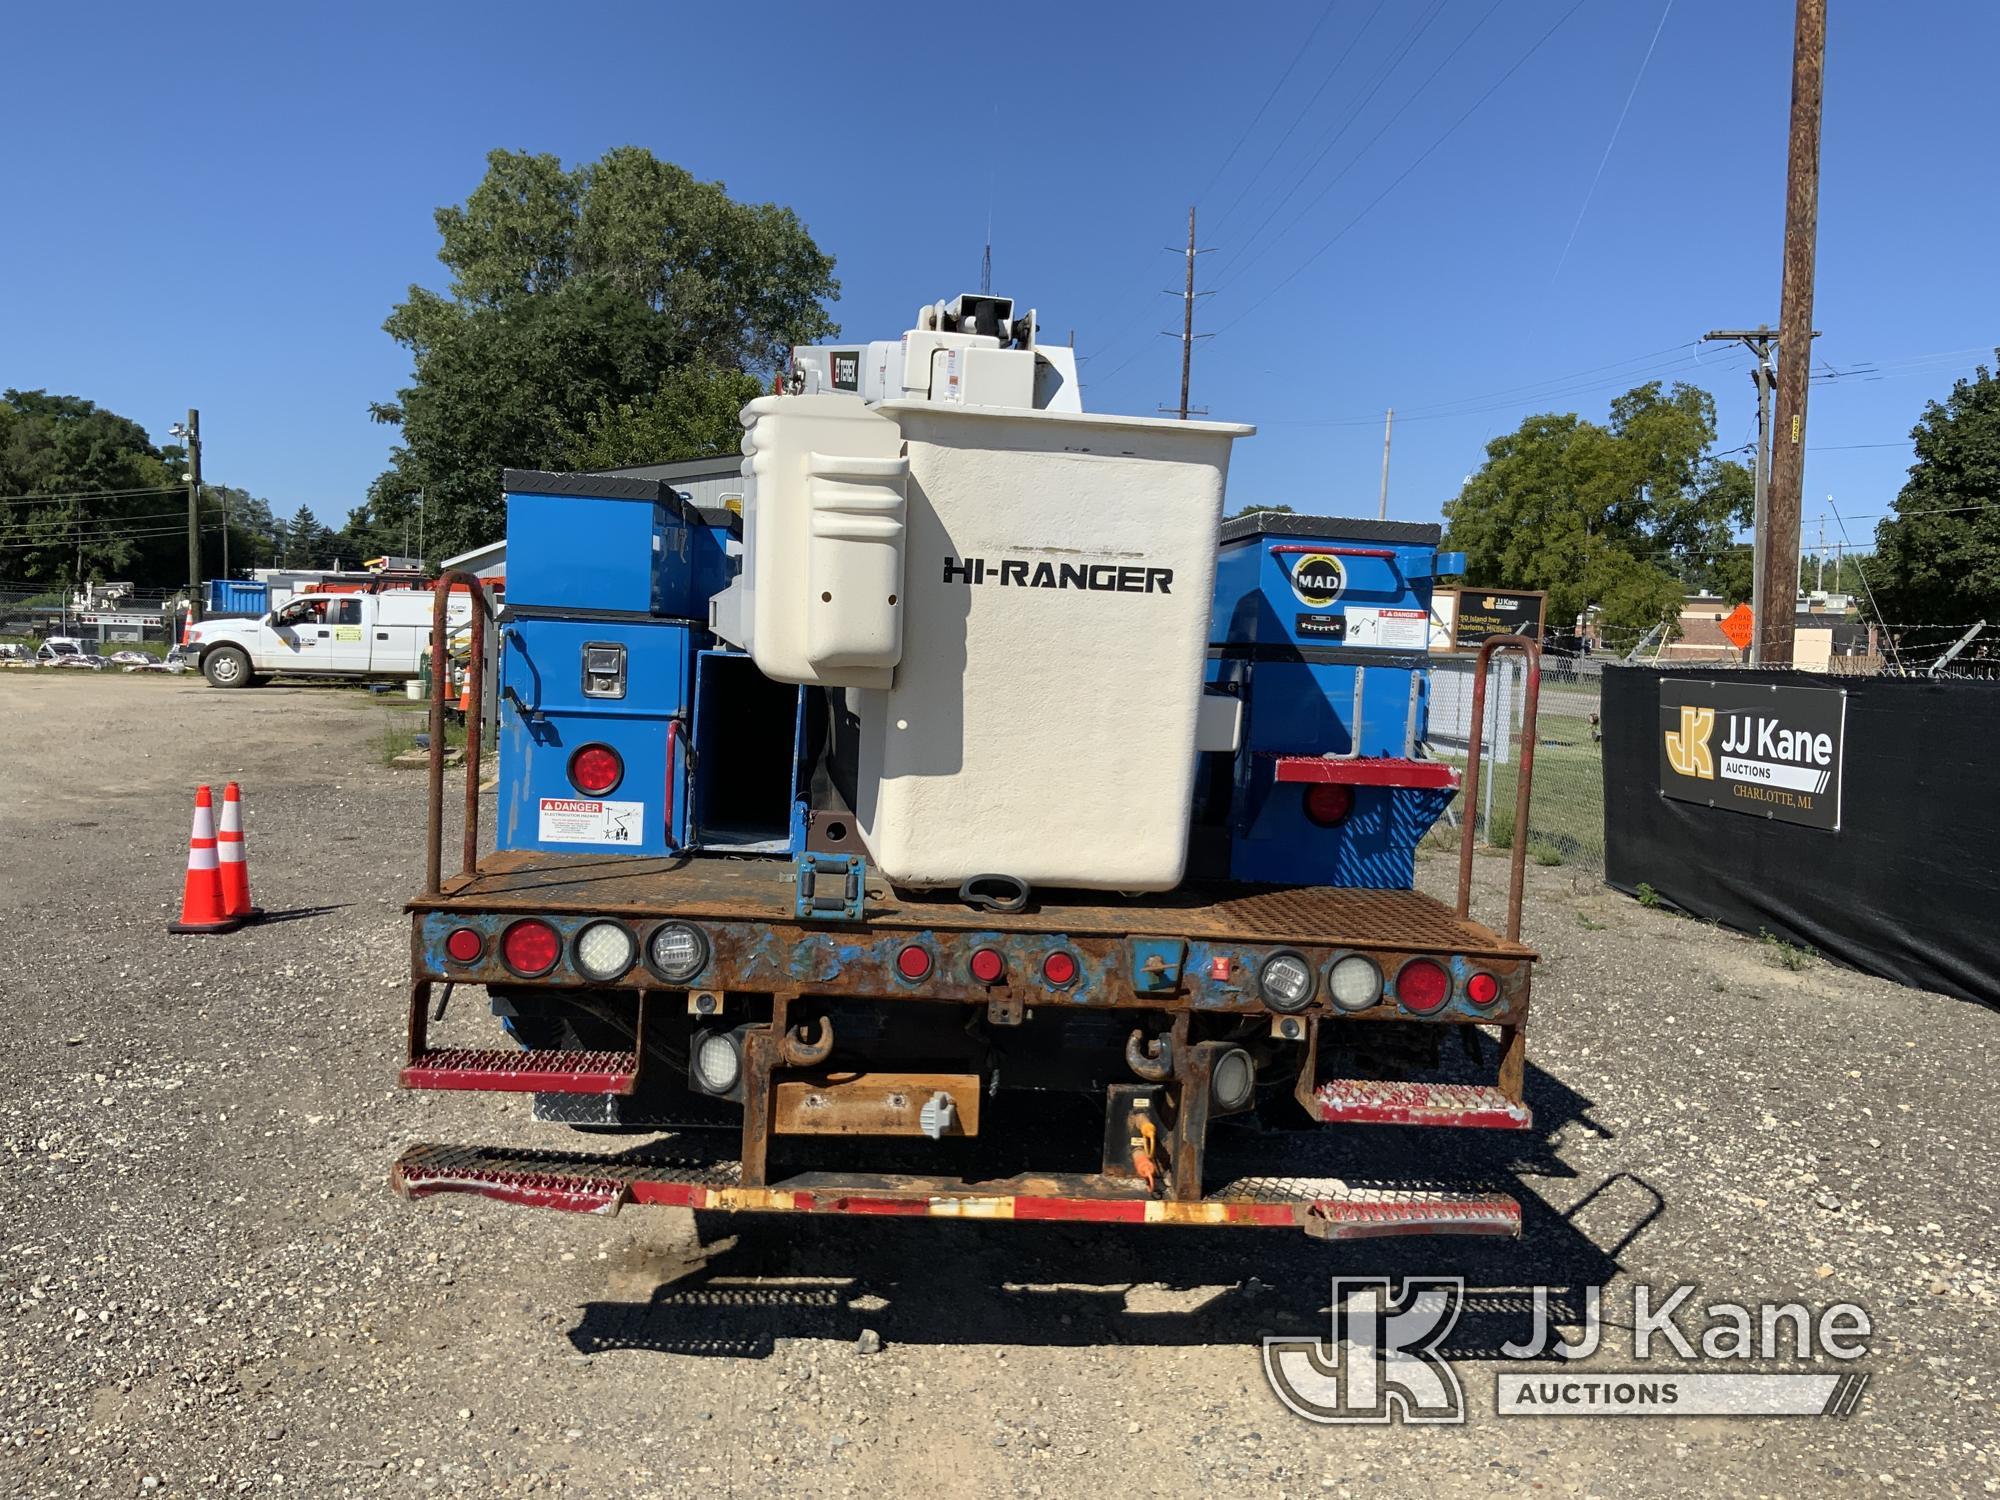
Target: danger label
585 820
1401 629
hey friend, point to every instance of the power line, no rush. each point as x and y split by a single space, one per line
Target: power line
1352 161
156 489
1611 144
1306 109
1398 181
1256 119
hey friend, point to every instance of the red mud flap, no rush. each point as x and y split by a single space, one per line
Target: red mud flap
1324 1207
523 1071
1367 1101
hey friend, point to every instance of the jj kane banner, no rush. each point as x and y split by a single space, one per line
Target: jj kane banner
1756 748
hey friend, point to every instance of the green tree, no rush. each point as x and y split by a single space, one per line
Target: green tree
1251 510
1938 560
579 300
1625 515
692 414
83 492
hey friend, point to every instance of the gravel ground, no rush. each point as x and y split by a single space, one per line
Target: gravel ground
206 1287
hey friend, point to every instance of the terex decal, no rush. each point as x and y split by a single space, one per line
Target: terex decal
1020 573
1769 751
1318 578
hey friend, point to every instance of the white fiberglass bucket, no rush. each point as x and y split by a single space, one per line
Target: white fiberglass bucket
1058 576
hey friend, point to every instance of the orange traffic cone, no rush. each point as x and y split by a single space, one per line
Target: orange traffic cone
201 899
235 868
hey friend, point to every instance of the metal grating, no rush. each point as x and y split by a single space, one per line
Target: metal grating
518 1070
1368 1101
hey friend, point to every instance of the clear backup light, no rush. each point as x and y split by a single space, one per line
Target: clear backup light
1286 982
1232 1080
1354 982
715 1062
605 950
677 952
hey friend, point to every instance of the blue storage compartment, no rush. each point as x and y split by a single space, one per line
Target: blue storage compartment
567 684
612 546
237 596
1322 630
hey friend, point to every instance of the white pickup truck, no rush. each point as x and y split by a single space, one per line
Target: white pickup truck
323 635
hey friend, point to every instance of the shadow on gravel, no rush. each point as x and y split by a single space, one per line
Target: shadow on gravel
300 913
755 1279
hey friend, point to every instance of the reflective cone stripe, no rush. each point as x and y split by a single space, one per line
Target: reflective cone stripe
229 852
201 897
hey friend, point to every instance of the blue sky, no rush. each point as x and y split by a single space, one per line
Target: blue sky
217 205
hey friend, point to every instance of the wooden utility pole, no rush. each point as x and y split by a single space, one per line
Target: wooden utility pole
1382 506
193 439
1788 452
1187 335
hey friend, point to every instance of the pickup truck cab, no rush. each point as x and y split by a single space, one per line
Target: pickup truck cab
360 634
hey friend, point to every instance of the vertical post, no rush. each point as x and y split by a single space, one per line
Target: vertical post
1382 506
1795 330
1760 522
194 513
1187 320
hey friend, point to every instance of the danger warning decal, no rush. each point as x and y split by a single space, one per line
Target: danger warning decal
589 820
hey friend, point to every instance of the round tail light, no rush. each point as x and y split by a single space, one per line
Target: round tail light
913 963
1059 970
464 945
1423 986
1354 982
1232 1080
530 947
596 770
605 950
1286 981
1329 803
715 1061
1482 988
988 966
677 952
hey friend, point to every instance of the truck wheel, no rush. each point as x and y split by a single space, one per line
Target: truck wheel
226 667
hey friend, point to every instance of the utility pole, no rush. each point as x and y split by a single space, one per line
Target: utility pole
1382 505
191 435
1795 326
1187 335
1760 341
1819 581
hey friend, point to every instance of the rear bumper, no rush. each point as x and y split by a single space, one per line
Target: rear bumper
578 1182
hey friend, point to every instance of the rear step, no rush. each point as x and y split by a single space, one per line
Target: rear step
1368 1101
524 1071
1325 1207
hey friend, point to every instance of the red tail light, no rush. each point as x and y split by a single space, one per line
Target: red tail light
596 770
464 945
530 948
1059 969
988 966
1482 989
1423 986
913 963
1328 803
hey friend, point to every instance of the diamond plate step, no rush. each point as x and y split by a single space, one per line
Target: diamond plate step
1367 1101
523 1071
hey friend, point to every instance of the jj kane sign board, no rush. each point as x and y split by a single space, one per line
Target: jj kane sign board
1772 752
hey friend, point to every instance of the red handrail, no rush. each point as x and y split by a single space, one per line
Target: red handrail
475 681
1518 871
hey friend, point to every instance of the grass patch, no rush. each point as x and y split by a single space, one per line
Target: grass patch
1647 896
402 729
1566 809
1545 854
1590 924
1785 955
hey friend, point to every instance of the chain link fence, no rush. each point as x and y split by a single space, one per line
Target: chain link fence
1566 800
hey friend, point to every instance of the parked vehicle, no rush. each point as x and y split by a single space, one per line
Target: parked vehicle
360 635
1001 825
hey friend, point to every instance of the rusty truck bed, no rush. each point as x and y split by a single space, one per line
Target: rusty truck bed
752 889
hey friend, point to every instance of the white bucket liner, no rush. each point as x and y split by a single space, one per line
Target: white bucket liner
1059 571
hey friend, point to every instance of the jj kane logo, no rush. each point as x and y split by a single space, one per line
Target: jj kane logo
1768 750
1318 578
1021 573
